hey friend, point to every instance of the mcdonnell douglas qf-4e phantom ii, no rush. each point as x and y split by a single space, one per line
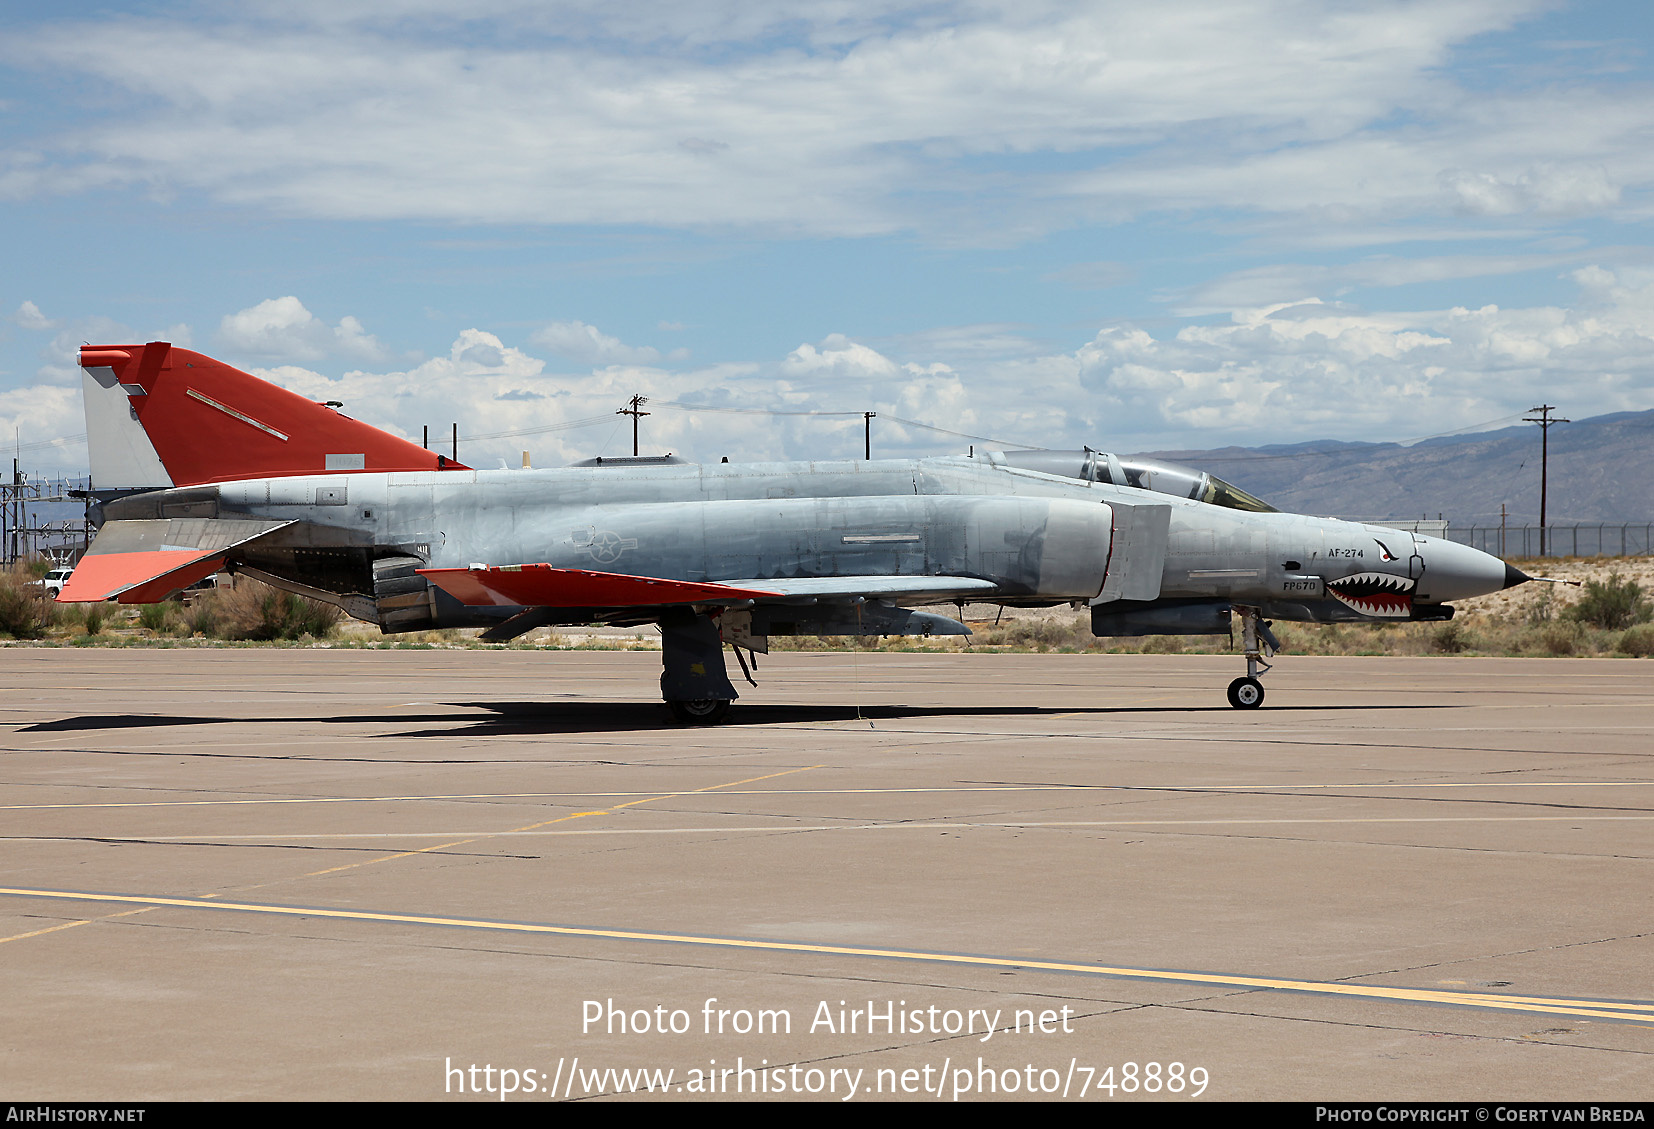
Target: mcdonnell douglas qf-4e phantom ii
197 467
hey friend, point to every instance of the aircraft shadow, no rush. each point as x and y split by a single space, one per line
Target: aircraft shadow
529 718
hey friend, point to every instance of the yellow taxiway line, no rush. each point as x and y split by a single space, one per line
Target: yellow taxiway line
1597 1009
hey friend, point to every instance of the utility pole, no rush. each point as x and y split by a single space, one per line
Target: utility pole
1544 421
636 402
867 425
18 515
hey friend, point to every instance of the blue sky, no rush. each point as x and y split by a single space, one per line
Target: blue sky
1134 226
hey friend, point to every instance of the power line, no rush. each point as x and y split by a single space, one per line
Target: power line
749 411
966 434
589 421
843 415
41 444
1342 450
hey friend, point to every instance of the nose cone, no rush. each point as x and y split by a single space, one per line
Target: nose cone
1456 572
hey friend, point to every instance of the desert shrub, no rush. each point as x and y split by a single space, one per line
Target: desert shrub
1038 633
1613 604
158 618
20 603
94 619
254 610
202 616
316 619
1637 641
1560 638
1450 638
1541 608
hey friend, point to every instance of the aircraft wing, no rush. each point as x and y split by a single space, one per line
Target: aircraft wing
541 585
140 562
937 588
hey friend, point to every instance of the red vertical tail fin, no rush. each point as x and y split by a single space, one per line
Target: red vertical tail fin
209 422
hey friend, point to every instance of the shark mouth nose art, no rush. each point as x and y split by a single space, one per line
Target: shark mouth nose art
1375 594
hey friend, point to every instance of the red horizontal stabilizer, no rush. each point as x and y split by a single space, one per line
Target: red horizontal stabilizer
210 422
542 586
145 560
137 578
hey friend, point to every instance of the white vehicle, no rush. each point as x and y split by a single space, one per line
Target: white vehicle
56 579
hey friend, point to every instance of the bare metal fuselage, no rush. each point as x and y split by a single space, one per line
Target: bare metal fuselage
1034 537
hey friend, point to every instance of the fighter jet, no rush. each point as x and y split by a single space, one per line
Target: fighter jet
198 467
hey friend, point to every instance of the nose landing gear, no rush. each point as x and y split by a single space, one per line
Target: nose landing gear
1246 693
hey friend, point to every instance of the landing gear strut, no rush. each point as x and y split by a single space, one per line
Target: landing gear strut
1256 638
694 681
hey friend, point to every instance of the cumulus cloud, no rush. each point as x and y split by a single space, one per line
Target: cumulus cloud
28 316
61 357
283 328
178 334
1311 370
838 356
1280 372
46 410
506 400
578 341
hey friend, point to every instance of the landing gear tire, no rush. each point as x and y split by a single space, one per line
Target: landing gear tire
1246 693
706 711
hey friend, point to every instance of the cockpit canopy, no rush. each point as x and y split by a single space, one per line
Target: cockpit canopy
1139 473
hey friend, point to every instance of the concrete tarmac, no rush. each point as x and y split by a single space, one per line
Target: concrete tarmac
323 874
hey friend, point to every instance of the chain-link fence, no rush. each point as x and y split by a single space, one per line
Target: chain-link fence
1601 539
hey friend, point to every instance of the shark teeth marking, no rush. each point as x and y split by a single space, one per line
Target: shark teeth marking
1377 594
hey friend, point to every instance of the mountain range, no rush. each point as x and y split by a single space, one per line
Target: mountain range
1601 470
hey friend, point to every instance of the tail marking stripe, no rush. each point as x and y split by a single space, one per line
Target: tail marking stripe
211 403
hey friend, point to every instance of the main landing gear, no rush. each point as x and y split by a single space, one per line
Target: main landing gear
700 711
694 682
1256 639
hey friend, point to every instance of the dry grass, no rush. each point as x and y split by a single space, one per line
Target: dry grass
253 610
1531 620
25 613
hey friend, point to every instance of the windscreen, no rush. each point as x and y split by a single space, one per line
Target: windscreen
1141 474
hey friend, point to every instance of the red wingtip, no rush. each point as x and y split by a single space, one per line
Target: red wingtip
211 422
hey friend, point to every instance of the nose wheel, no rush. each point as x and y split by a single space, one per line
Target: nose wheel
1246 693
